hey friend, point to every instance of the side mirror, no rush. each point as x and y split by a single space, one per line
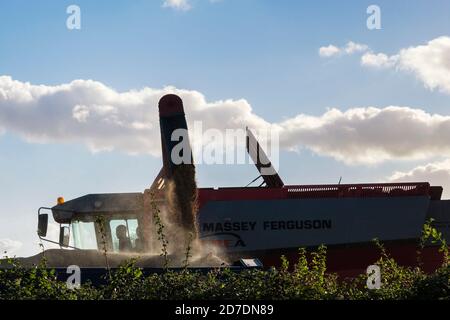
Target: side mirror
42 225
64 236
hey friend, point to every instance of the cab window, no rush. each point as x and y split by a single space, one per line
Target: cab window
84 236
125 228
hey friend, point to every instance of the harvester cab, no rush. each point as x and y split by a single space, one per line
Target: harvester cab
97 222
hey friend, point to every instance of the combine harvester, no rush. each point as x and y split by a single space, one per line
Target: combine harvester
262 222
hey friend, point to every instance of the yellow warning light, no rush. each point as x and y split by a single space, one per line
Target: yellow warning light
60 200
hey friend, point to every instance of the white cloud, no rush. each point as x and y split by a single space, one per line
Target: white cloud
9 246
430 62
379 60
350 48
370 135
88 112
80 113
183 5
353 47
437 173
329 51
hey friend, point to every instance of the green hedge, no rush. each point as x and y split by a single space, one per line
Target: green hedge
307 279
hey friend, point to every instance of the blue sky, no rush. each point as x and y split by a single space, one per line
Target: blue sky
265 52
